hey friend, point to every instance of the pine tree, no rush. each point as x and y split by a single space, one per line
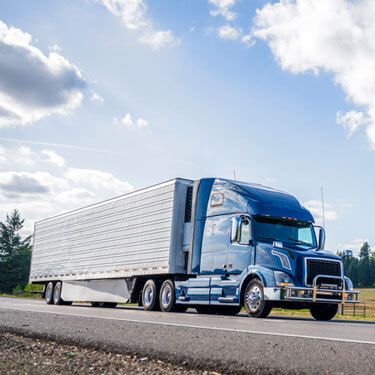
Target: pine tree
15 254
364 271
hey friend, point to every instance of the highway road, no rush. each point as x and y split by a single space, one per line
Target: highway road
221 343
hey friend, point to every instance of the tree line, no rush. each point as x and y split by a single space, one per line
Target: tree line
15 258
361 270
15 254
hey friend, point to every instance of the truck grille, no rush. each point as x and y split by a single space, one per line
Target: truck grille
316 267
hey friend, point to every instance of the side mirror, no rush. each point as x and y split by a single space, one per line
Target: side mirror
235 229
322 239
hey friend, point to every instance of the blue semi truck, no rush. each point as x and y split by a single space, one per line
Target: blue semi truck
213 244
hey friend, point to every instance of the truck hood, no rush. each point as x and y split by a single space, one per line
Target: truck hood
267 256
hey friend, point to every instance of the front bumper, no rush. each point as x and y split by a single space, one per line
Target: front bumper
317 293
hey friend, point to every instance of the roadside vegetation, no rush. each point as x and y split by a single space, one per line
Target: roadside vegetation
15 255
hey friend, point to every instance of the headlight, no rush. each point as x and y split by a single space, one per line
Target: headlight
282 279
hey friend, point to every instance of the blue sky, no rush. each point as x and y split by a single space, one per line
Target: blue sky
188 88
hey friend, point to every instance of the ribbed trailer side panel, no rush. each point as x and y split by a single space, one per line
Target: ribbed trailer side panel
138 233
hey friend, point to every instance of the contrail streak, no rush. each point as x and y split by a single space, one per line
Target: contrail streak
58 145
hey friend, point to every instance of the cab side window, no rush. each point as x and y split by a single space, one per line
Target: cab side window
245 231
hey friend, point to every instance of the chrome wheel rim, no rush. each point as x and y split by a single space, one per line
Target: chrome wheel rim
166 295
254 298
148 295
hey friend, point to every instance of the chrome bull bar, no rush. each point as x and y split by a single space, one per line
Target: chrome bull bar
315 294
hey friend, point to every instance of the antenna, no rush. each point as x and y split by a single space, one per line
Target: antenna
323 210
234 175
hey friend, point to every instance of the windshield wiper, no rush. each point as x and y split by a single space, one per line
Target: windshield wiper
299 241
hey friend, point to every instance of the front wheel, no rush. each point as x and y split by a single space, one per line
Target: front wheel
323 311
254 301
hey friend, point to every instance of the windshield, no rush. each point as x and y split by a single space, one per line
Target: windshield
268 230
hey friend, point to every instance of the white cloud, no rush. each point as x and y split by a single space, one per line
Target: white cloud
315 207
38 190
95 97
55 48
336 37
134 15
33 85
223 8
229 32
142 123
54 158
99 180
128 121
159 39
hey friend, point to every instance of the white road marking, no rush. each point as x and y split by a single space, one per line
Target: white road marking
197 326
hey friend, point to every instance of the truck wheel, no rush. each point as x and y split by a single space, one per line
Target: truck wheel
323 311
167 298
254 302
150 296
57 300
48 294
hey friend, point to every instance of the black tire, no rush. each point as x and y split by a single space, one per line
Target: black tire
48 293
150 296
254 301
57 300
167 296
323 311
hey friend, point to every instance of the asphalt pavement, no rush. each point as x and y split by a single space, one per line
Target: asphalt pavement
225 344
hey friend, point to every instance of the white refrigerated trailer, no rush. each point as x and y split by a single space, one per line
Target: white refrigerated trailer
106 253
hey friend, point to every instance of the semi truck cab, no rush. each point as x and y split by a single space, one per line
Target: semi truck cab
257 247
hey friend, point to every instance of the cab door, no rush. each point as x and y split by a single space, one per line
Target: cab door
240 254
240 249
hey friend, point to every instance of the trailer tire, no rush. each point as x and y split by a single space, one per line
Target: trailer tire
150 296
323 311
255 304
48 294
57 300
